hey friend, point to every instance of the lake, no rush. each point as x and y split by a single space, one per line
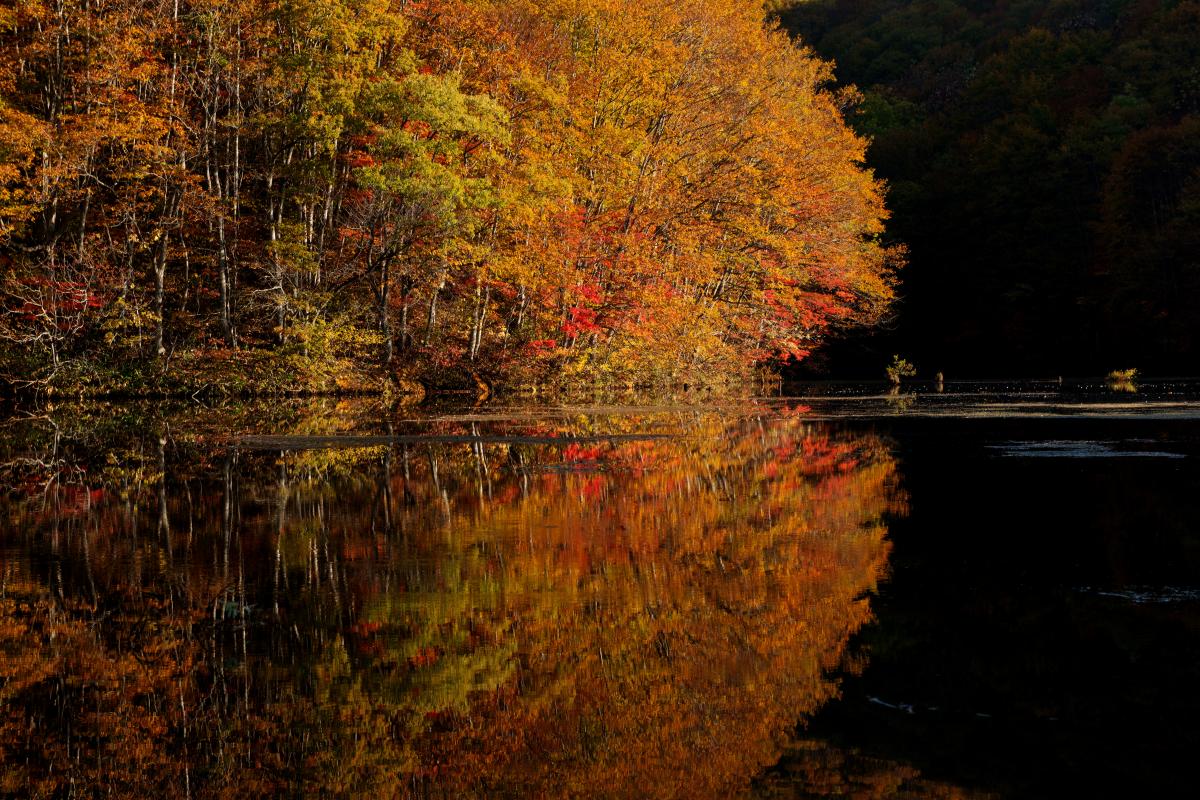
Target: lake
988 591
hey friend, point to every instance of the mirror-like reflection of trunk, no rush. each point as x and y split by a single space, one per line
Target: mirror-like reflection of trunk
583 604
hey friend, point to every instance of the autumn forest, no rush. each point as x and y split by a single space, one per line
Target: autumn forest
255 196
415 399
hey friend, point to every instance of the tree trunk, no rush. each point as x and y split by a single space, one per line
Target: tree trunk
433 304
160 275
477 328
226 289
385 324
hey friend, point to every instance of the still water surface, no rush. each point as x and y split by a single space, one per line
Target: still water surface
980 595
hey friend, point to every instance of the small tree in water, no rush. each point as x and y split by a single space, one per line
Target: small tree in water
900 369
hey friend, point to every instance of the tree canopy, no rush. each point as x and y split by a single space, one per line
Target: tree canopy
445 191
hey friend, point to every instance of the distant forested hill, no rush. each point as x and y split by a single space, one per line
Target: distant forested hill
1044 169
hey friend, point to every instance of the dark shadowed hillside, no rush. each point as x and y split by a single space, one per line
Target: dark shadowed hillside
1044 169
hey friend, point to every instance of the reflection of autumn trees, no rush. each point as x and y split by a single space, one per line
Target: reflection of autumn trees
815 768
604 616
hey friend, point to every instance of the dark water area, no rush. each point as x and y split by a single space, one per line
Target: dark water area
987 591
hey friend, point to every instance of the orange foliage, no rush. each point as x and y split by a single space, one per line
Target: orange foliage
677 166
627 191
623 616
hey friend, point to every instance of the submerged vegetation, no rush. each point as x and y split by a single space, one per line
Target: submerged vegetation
281 195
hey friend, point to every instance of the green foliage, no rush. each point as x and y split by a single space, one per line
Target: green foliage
1043 166
900 369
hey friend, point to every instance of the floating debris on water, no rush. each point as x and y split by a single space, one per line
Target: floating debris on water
1146 595
1066 448
905 707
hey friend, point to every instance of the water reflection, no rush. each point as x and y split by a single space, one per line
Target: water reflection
536 607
